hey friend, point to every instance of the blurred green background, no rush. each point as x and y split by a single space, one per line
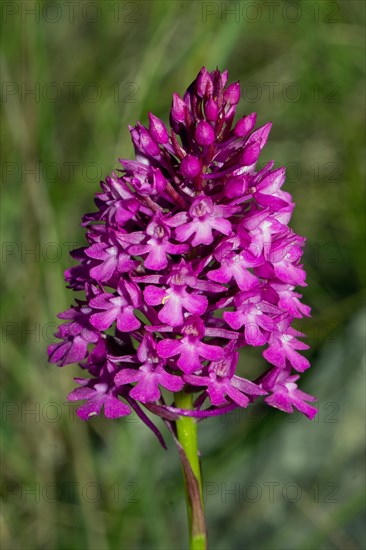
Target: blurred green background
74 75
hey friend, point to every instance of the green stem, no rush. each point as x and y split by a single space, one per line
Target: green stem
187 436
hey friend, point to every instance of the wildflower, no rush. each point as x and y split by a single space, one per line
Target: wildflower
189 258
285 394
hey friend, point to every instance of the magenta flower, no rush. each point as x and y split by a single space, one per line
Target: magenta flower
284 392
157 245
98 395
149 375
117 308
202 218
223 386
255 315
190 348
189 258
175 298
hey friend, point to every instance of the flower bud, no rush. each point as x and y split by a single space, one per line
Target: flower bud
147 144
178 109
158 130
190 166
232 93
230 113
204 83
158 180
205 134
250 154
235 187
134 136
211 110
224 77
245 125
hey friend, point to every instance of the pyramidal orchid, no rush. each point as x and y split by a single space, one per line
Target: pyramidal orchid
189 259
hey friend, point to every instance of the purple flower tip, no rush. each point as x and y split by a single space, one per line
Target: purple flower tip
178 109
189 259
211 110
190 166
232 94
158 130
205 134
245 125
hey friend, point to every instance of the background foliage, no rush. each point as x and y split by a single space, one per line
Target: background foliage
271 481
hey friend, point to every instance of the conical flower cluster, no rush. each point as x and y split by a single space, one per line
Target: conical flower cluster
189 259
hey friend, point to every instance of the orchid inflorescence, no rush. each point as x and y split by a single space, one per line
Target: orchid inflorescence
190 258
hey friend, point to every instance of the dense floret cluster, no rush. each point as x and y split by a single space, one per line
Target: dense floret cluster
189 259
